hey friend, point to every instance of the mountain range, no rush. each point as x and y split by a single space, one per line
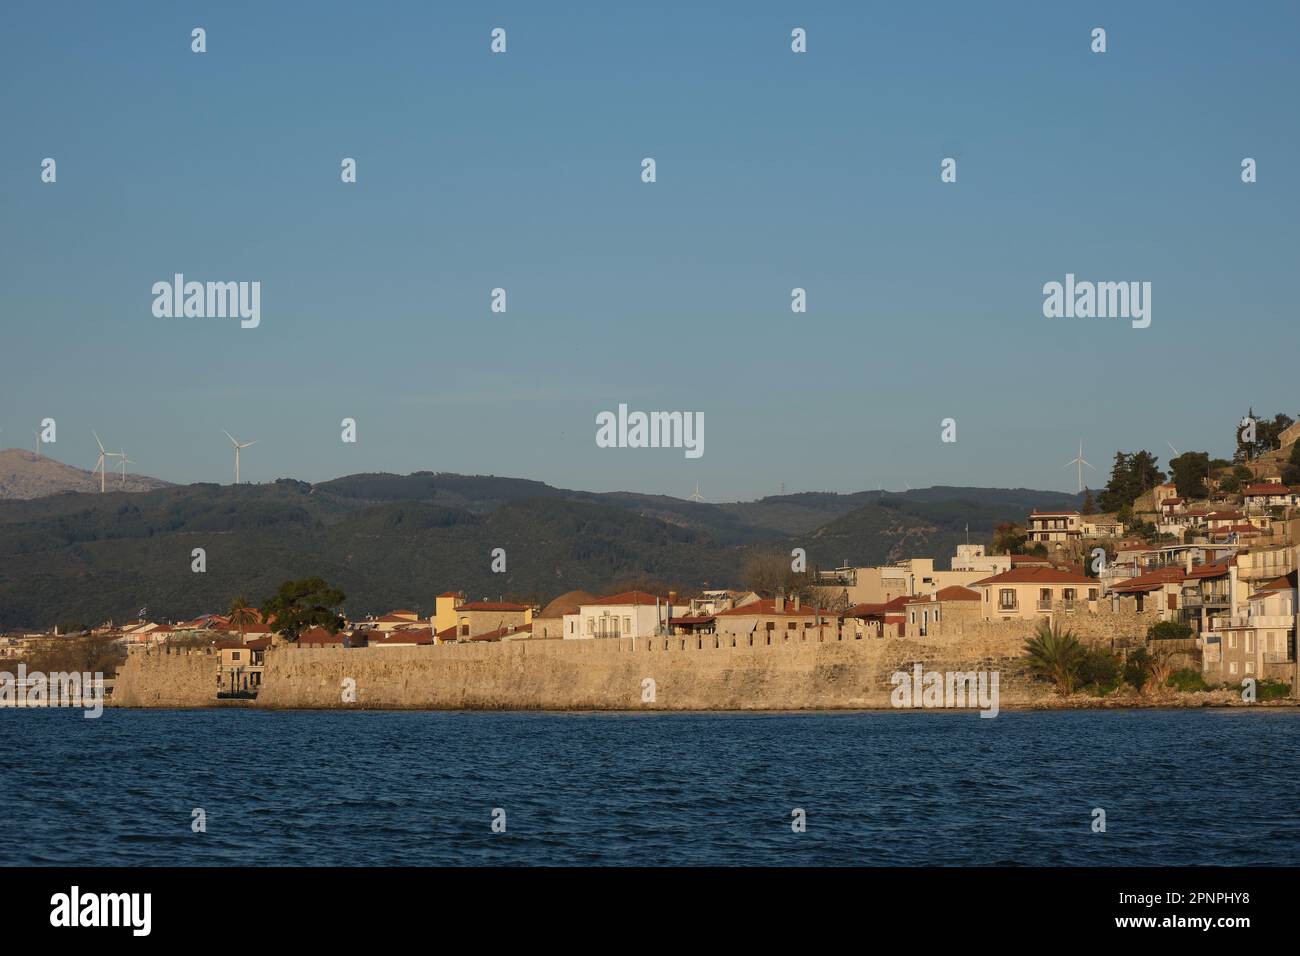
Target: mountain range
397 540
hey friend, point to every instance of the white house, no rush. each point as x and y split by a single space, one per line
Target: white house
629 614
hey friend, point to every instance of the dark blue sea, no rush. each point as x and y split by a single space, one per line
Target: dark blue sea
313 788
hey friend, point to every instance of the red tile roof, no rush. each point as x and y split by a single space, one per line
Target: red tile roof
319 635
1266 488
1218 569
878 610
1286 582
1035 576
1151 581
415 635
502 632
767 608
953 593
627 597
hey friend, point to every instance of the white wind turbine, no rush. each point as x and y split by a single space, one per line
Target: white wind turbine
238 445
1175 450
125 461
697 496
100 464
37 433
1080 461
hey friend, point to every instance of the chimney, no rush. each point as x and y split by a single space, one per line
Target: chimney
1187 560
796 602
778 603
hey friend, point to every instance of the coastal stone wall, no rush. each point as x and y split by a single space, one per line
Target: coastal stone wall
167 677
688 673
825 669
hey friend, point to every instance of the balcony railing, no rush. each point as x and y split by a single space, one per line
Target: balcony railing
1044 605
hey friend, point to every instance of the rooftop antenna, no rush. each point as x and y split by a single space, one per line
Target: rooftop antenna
1080 461
238 445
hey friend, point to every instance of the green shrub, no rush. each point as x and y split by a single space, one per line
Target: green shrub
1272 690
1187 680
1136 667
1099 672
1169 631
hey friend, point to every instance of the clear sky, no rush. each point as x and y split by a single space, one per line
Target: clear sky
523 171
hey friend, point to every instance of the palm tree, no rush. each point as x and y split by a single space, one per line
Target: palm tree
242 614
1055 655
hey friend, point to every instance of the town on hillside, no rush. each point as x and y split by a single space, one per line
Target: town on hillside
1204 566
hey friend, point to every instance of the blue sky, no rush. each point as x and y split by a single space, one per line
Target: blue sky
522 171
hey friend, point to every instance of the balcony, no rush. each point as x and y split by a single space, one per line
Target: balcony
1273 620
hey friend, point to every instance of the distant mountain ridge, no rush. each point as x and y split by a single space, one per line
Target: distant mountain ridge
24 474
396 541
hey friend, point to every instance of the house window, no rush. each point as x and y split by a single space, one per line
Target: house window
627 625
1232 667
591 625
911 617
1092 594
1250 667
1007 599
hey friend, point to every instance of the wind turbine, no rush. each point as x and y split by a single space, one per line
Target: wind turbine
100 464
238 445
37 433
1080 461
697 496
1174 450
125 461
